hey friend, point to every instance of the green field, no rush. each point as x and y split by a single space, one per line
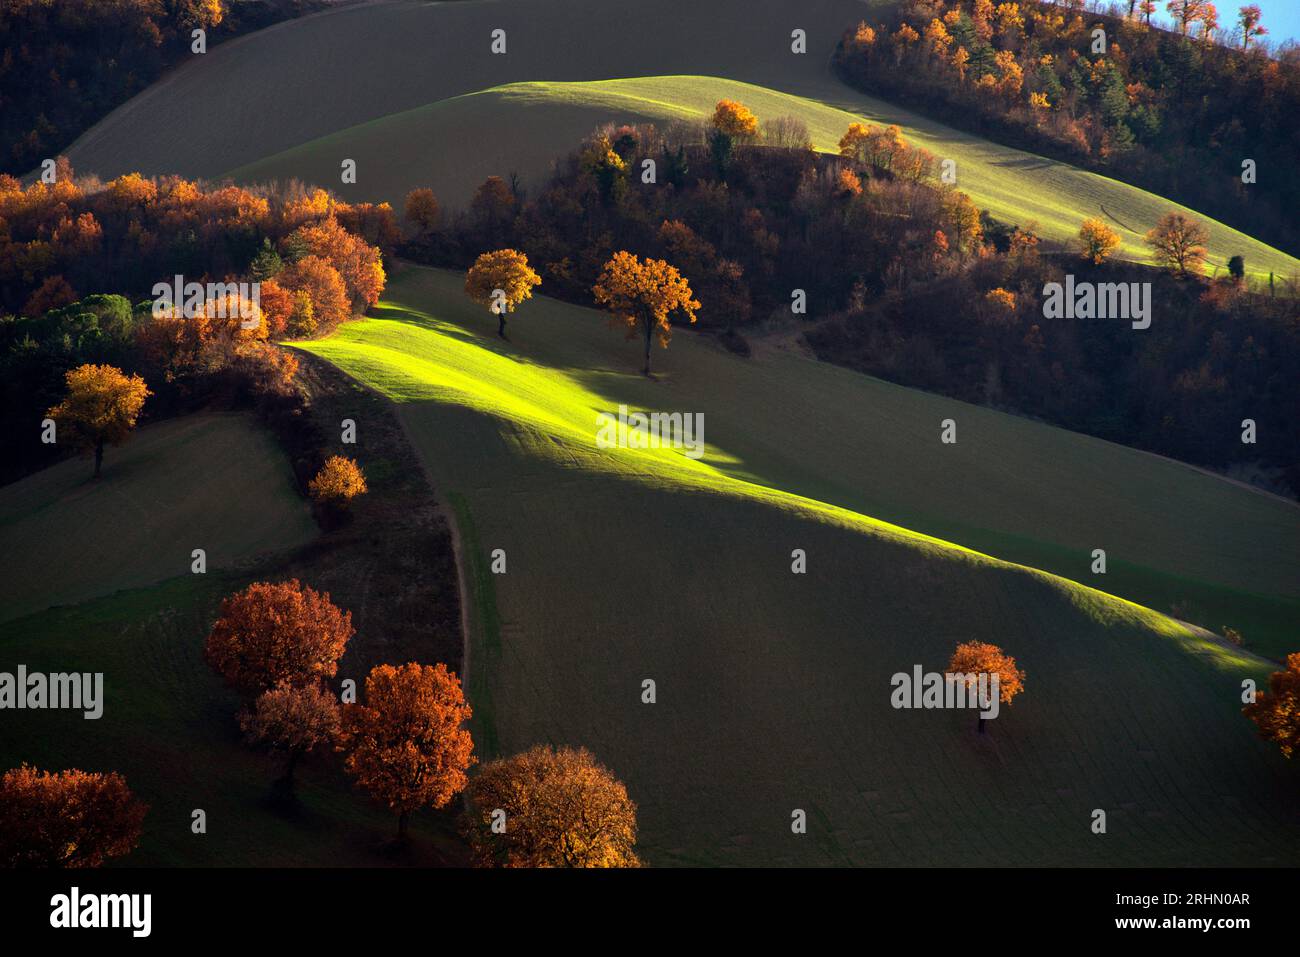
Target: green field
216 482
773 688
387 85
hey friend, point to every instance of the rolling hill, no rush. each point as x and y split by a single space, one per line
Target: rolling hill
416 103
216 482
773 688
453 145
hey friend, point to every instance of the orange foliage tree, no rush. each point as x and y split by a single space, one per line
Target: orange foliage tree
1276 712
338 482
646 293
358 263
66 819
101 407
292 721
561 809
1097 241
406 745
974 658
1178 243
320 281
277 632
731 121
501 280
422 211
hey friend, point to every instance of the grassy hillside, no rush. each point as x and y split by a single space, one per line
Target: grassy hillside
773 688
378 63
524 127
215 482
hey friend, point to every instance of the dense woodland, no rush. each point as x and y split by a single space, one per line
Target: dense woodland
66 65
904 279
79 259
1173 112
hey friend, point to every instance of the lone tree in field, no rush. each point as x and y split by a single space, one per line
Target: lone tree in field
645 293
561 809
406 744
66 818
1276 712
974 658
338 482
731 121
292 721
101 407
274 633
501 280
1178 243
1097 240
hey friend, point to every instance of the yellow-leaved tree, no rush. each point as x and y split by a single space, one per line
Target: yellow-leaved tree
101 407
731 121
1097 241
338 482
644 293
550 808
501 280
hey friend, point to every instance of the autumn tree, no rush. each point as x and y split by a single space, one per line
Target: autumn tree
66 818
645 293
293 722
101 406
550 808
1187 13
274 633
338 482
324 287
731 122
501 280
358 263
1097 241
1276 712
422 211
406 745
1178 243
1248 18
975 658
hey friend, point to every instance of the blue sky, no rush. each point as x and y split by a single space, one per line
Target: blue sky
1282 17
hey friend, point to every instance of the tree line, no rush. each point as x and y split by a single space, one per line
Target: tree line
79 260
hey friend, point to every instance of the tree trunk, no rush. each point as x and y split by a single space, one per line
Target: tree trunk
501 326
294 757
649 330
99 456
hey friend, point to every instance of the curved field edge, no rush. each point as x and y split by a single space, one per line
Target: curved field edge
453 144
